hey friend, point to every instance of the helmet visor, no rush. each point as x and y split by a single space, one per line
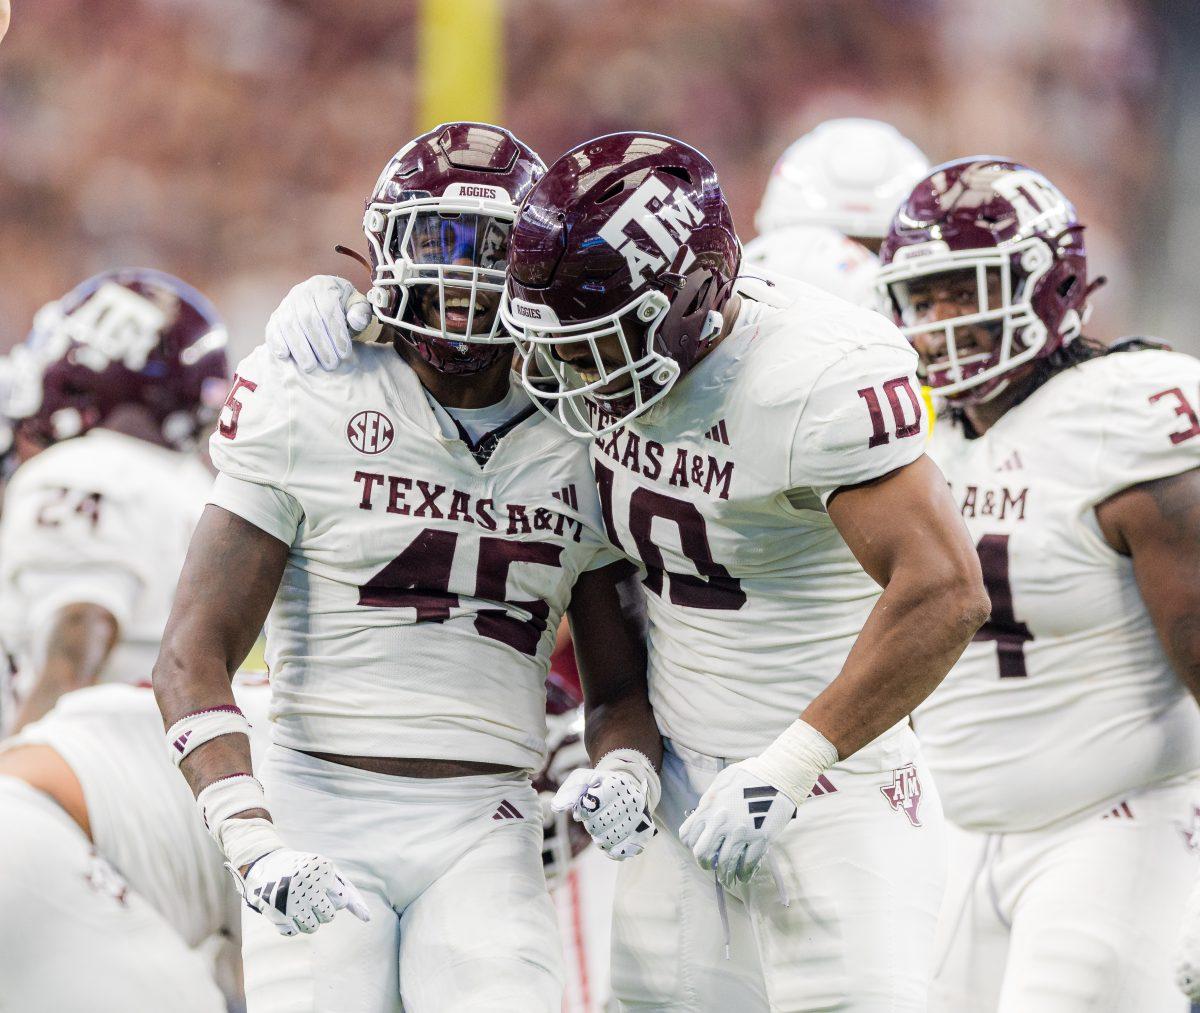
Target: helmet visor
457 240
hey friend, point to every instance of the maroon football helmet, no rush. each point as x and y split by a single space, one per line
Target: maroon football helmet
627 236
437 225
1012 234
127 337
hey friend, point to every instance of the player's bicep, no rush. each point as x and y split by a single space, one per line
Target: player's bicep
907 520
228 583
1157 524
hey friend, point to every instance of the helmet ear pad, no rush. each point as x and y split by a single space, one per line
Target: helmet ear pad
703 290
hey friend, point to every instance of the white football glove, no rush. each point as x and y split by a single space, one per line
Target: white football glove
316 322
614 802
297 891
749 803
737 818
1187 949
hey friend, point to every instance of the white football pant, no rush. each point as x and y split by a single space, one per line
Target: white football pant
73 935
840 916
1082 916
451 869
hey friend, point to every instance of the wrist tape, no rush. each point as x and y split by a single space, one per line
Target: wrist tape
193 730
794 761
630 761
240 840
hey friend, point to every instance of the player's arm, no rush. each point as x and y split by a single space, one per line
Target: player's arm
232 572
858 446
906 532
610 648
614 799
228 583
1157 525
77 642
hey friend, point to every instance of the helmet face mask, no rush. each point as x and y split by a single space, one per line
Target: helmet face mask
620 263
595 399
1002 245
439 267
437 228
999 281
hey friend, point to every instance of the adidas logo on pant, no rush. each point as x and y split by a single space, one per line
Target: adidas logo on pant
507 811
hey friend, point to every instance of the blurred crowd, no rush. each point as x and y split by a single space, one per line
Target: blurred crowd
233 141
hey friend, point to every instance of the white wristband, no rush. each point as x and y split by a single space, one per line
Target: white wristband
794 761
193 730
219 804
638 764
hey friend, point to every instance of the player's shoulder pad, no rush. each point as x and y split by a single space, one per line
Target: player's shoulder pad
1140 411
117 468
799 344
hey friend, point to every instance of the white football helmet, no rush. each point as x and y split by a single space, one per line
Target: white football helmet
848 174
822 257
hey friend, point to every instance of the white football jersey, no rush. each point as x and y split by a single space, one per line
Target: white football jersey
720 490
142 814
1065 698
419 605
102 519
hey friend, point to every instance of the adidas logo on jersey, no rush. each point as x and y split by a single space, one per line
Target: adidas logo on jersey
568 496
1013 463
718 433
507 811
1121 811
180 742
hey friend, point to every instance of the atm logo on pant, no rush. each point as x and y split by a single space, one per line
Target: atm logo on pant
904 793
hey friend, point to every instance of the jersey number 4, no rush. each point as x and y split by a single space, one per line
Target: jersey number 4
419 578
1009 633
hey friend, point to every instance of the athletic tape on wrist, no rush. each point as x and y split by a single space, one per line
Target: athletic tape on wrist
220 802
193 730
794 761
638 764
243 841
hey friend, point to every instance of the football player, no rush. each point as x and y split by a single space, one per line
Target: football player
1065 742
758 448
848 174
420 529
633 263
105 867
128 369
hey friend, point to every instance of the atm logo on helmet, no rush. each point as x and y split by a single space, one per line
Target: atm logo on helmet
665 217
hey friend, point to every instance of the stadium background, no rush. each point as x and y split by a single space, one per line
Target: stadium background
232 141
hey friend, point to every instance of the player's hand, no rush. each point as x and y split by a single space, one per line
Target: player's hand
736 821
297 891
317 321
1187 949
614 807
